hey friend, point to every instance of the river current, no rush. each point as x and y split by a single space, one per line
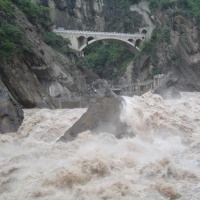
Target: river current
160 162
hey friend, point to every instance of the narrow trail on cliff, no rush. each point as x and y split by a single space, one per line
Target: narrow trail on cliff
143 9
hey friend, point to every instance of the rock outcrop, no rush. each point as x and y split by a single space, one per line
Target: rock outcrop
102 116
11 114
166 89
91 14
38 77
178 52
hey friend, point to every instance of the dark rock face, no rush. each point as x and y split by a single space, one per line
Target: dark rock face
11 114
23 85
39 77
81 15
102 116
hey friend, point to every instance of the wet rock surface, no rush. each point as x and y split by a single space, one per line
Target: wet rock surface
102 116
11 114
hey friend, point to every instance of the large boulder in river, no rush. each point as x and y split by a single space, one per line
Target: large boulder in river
11 114
102 116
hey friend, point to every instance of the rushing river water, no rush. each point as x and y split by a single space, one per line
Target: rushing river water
162 161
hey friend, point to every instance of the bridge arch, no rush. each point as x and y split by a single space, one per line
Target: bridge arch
90 38
81 40
131 40
129 44
138 43
144 31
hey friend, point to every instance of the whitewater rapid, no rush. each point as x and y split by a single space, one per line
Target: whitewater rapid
160 162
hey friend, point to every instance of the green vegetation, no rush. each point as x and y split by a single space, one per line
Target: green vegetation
125 20
57 42
161 36
7 11
37 15
186 7
11 36
134 1
151 47
12 40
107 59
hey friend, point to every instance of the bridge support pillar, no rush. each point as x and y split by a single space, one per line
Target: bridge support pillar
80 54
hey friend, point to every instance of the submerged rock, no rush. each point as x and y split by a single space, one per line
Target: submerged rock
168 93
167 89
102 116
11 114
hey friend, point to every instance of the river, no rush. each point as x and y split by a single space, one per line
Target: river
160 162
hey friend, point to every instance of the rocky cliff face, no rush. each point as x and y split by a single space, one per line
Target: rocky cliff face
36 78
42 73
100 15
180 55
185 45
11 114
78 14
41 76
174 48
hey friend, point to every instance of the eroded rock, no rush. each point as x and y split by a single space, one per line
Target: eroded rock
102 116
11 114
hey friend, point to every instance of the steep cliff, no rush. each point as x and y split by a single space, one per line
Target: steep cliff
39 70
100 15
32 74
11 114
37 74
174 46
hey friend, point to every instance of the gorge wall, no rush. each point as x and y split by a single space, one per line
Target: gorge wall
174 46
100 15
35 76
41 75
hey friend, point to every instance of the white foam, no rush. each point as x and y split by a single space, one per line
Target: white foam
161 162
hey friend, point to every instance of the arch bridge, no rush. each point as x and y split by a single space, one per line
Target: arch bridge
81 39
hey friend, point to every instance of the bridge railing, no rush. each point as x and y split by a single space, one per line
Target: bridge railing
77 32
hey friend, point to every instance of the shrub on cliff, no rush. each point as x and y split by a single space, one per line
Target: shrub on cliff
56 42
11 37
37 15
107 59
187 7
12 41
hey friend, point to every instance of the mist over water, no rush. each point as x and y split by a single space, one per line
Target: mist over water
161 161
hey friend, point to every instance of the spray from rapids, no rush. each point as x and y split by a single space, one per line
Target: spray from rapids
161 161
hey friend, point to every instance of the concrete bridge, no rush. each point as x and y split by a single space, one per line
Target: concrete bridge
81 39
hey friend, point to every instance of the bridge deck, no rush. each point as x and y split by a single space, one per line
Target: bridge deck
94 33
